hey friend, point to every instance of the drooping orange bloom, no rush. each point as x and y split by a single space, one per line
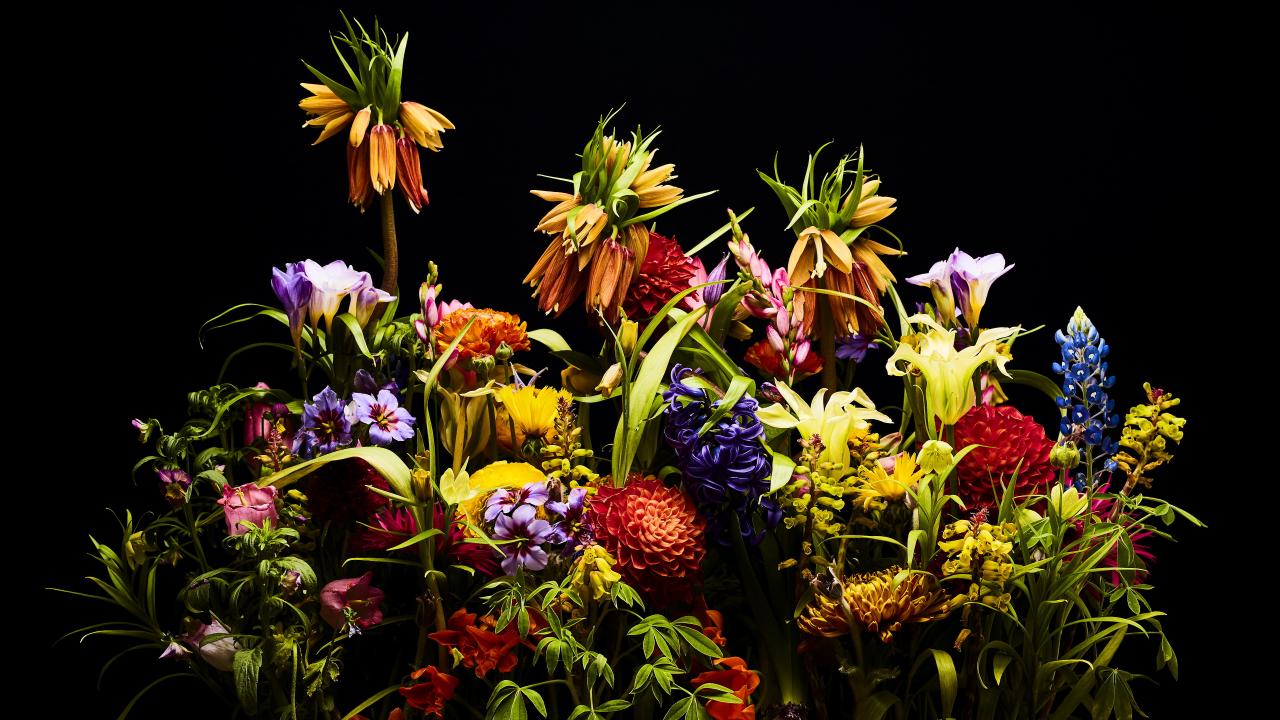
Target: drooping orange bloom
481 648
430 694
737 678
490 329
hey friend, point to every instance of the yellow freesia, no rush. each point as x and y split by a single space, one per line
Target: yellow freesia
833 419
948 373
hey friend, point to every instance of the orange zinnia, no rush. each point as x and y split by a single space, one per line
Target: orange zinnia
490 329
741 681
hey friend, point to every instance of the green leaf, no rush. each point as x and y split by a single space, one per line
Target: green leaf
536 699
716 235
417 539
552 339
391 101
678 708
1037 381
722 408
783 468
429 379
129 708
353 326
876 706
948 681
643 389
246 666
722 319
665 208
386 463
699 642
613 706
370 701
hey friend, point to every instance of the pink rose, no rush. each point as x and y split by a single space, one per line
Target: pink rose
248 502
354 598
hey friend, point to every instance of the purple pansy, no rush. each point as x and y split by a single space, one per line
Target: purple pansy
529 532
503 501
325 424
570 528
387 421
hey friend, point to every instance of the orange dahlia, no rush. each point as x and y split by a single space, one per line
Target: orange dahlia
655 534
1007 441
490 329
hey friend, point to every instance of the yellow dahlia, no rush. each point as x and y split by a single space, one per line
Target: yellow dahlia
878 602
529 412
598 230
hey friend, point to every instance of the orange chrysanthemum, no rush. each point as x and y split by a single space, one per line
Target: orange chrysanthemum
878 604
655 534
738 679
490 329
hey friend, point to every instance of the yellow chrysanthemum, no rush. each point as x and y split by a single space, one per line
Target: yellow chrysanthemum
528 411
878 602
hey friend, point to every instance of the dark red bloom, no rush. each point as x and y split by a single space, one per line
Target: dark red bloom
390 527
1007 441
765 358
431 691
664 273
337 492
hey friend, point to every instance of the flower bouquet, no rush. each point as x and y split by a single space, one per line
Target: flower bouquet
701 516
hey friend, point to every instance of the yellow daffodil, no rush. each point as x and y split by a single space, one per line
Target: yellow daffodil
528 411
948 373
832 419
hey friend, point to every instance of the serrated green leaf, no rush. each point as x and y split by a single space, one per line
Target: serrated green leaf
246 666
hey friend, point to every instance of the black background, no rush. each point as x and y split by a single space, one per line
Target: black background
1068 138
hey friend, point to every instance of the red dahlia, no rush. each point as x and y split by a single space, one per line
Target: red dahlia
1005 438
655 534
664 272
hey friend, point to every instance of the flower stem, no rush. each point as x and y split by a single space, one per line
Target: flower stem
827 330
390 249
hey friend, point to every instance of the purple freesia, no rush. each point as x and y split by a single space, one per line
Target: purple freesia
330 283
854 347
529 532
387 421
503 501
366 299
325 424
293 288
961 282
939 282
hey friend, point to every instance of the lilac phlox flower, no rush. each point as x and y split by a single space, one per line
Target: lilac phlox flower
570 527
529 532
293 288
330 283
504 501
325 424
855 347
387 421
366 299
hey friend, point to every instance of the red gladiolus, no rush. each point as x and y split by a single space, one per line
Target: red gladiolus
431 691
482 649
737 678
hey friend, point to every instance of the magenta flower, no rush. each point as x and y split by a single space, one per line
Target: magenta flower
248 503
256 423
529 532
220 653
351 603
387 421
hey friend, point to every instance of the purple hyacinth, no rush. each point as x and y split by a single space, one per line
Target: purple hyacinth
325 425
855 347
387 421
726 470
528 532
293 288
503 501
571 528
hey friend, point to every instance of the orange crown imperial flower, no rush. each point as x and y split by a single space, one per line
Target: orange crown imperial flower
391 126
598 231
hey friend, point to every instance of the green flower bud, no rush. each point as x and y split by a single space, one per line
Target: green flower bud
936 457
1064 456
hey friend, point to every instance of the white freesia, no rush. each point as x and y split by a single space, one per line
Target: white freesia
330 284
